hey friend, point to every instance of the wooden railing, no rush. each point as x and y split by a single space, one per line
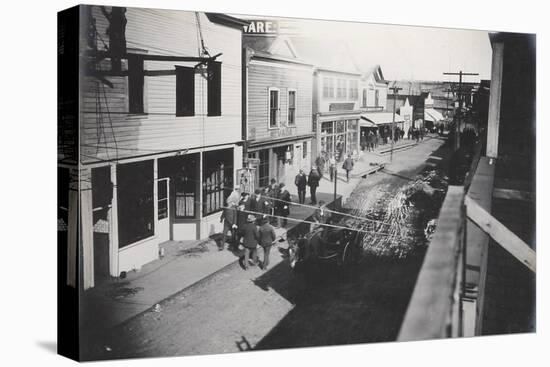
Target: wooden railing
435 308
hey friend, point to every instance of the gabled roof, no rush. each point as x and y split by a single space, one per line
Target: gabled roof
272 47
227 20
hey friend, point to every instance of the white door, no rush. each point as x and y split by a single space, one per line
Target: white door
163 194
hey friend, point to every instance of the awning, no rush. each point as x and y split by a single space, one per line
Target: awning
380 118
432 115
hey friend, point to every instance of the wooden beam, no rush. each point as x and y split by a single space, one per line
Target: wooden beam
510 194
502 235
433 300
494 100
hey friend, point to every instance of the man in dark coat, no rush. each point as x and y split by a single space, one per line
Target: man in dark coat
267 237
242 213
301 182
229 219
320 163
313 182
348 166
283 205
251 236
258 203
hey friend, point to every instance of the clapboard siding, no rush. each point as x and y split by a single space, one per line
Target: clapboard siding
260 79
107 130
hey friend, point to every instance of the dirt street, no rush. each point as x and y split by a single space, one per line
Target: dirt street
237 310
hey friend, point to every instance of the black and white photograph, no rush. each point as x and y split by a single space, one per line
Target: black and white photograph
230 182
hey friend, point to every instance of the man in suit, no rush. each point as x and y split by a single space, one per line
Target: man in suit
250 235
283 206
229 219
267 237
348 166
301 182
242 213
313 181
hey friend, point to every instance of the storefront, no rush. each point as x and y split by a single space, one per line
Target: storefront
279 160
338 136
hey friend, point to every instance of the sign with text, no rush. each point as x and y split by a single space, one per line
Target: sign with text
259 26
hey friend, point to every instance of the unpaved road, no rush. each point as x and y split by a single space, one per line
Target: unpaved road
241 310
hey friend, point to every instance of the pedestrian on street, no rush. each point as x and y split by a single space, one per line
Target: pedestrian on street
363 141
258 203
284 205
229 219
235 196
332 167
251 236
242 213
348 166
267 238
320 164
301 182
313 181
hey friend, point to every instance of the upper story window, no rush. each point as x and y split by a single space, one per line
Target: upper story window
214 88
376 97
291 107
364 103
353 89
273 108
328 87
135 85
185 91
341 88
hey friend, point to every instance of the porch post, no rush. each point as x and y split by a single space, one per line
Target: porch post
86 228
113 226
72 229
494 100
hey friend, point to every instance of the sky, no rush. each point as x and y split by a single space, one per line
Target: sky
403 52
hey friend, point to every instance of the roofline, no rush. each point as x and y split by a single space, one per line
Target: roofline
321 68
267 56
227 20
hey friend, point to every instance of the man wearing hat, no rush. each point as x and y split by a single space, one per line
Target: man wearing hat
229 219
251 236
267 237
283 205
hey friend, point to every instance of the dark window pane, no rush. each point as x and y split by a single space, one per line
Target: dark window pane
135 84
185 91
214 88
135 202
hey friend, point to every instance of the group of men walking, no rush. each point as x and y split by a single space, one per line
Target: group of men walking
250 219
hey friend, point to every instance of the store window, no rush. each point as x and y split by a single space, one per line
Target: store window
341 88
182 171
135 202
263 169
353 89
328 87
217 168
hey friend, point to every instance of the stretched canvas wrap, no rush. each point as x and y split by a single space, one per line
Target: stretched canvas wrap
230 183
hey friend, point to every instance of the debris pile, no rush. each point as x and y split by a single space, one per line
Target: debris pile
395 226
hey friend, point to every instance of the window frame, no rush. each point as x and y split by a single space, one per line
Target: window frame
269 108
288 106
220 188
214 82
136 85
328 86
181 111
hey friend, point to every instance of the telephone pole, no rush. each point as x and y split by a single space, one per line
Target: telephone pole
394 90
457 127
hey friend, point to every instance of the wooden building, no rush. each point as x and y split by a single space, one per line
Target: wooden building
160 131
279 107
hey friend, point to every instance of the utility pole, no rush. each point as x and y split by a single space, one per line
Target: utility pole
394 90
457 127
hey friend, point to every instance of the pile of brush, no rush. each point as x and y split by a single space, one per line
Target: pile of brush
395 226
